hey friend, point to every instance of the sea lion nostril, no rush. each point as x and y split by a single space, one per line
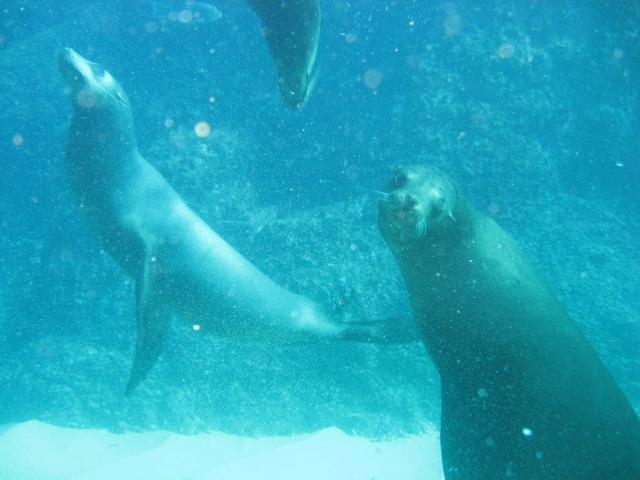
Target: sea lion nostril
410 201
402 201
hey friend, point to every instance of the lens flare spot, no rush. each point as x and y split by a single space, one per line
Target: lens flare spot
185 16
151 27
453 24
202 129
17 139
86 98
372 78
506 50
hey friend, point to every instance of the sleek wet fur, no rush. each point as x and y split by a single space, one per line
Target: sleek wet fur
292 31
179 264
524 395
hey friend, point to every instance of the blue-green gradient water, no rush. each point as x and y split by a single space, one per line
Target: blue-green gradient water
532 106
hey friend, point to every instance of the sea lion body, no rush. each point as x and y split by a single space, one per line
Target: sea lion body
292 32
523 393
180 265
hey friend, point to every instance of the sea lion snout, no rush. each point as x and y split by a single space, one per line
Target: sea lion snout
67 63
402 201
80 72
399 215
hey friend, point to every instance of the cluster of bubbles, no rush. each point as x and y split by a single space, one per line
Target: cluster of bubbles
350 37
453 23
202 129
194 12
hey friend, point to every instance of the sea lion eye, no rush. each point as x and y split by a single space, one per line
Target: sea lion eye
400 180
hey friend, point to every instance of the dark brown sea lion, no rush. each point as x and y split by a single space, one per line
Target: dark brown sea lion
524 396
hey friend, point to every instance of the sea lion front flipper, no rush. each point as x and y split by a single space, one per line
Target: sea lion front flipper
152 319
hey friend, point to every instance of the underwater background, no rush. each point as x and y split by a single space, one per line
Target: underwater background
532 106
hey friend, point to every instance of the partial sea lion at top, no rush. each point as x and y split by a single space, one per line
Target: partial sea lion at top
524 395
292 31
179 264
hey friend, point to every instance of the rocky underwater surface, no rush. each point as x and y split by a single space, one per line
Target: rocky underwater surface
532 108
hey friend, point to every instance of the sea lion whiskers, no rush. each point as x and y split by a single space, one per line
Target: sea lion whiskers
420 228
382 196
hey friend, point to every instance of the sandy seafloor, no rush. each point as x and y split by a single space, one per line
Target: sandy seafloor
39 451
531 107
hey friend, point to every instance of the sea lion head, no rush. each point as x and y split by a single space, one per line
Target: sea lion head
97 97
420 201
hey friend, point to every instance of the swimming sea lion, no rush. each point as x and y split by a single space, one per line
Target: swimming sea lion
180 265
292 31
524 395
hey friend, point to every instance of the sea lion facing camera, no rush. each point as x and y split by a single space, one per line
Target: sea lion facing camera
524 395
179 264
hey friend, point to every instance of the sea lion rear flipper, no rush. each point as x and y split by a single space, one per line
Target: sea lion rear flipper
152 319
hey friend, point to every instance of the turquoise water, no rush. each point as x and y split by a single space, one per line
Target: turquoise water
531 106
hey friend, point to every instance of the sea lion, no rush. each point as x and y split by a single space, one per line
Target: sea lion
523 393
292 32
180 265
